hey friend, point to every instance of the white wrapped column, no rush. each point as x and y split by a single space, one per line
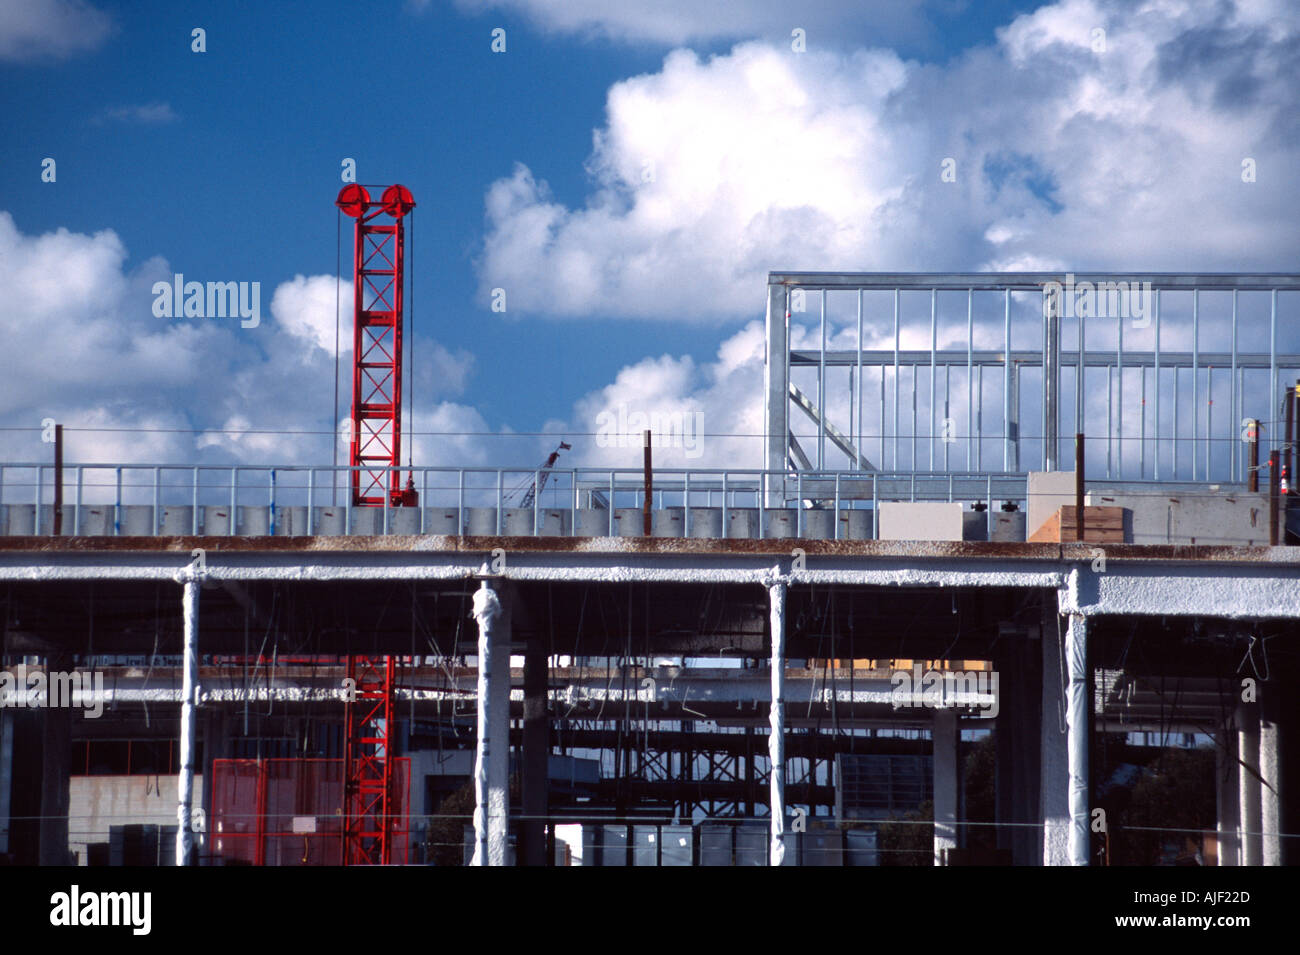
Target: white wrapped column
492 755
776 717
189 697
1078 721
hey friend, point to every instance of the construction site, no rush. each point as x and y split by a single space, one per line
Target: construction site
1033 599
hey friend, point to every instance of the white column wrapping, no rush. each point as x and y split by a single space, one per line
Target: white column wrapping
1248 801
189 697
1270 792
944 737
1078 729
493 738
776 739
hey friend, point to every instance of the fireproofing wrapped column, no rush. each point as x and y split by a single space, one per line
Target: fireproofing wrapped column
776 740
189 696
1078 721
490 762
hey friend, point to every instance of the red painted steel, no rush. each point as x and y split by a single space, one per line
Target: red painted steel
369 805
378 283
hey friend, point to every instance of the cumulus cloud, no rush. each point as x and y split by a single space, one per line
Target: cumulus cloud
1066 153
90 353
50 29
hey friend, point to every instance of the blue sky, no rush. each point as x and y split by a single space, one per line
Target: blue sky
627 172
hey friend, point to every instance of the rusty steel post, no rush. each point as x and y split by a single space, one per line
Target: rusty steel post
649 486
1078 487
1252 471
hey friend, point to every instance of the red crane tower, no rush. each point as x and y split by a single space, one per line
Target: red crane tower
370 803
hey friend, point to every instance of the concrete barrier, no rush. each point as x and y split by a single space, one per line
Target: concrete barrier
403 520
366 521
330 521
780 523
592 522
742 522
291 521
177 520
627 522
137 520
818 524
253 520
668 522
47 519
706 522
856 524
96 520
1009 526
442 520
20 520
482 521
555 522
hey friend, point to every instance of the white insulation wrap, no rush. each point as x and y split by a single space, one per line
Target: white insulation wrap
487 610
776 740
189 696
1078 729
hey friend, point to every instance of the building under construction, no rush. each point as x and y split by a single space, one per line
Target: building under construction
1020 586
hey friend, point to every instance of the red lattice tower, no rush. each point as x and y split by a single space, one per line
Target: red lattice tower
378 281
371 819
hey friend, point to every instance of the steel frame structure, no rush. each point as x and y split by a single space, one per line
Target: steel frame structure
910 368
378 284
368 767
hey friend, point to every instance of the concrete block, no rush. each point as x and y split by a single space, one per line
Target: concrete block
920 521
137 520
216 520
291 521
1048 490
517 522
1009 526
856 524
178 520
592 522
628 522
366 521
20 519
441 520
555 522
818 524
706 522
742 522
96 520
253 520
482 522
403 520
975 525
668 522
47 519
1223 516
780 525
330 521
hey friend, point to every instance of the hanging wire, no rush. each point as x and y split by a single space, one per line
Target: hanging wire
334 421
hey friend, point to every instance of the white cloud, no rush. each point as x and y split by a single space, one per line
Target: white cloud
50 29
680 21
88 352
709 173
141 114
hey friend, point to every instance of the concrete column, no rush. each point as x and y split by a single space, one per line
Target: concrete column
776 390
189 701
1270 788
1078 721
945 782
1225 776
492 757
1054 799
536 756
6 777
56 771
776 719
1248 797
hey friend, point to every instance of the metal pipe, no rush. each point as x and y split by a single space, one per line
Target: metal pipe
1052 384
1156 463
1196 383
934 353
1272 497
1252 461
1006 381
189 699
970 377
896 376
821 392
776 721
